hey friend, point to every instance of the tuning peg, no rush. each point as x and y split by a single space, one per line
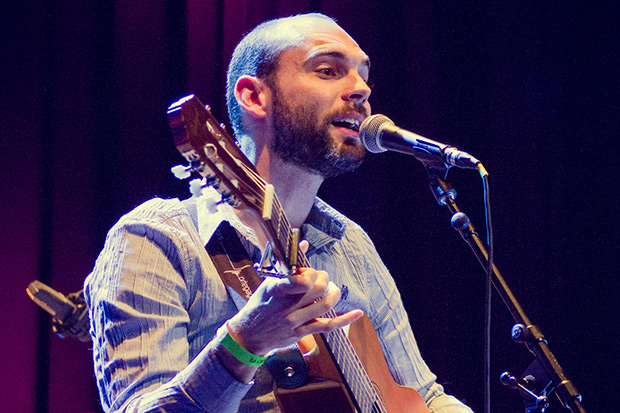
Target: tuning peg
181 171
196 186
229 199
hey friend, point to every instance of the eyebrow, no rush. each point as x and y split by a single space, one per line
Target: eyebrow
336 55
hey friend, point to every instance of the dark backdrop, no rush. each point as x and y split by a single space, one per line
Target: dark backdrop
530 88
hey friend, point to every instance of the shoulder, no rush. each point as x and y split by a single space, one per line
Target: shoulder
166 223
156 235
170 214
156 210
331 220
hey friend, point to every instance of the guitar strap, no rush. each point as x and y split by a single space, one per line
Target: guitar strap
287 367
233 264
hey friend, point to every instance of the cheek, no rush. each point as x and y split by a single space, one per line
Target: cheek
309 90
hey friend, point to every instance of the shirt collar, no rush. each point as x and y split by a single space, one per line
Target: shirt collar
323 226
211 213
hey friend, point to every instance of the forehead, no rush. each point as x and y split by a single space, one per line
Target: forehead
324 38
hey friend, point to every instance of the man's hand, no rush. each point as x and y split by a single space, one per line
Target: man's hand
283 310
280 312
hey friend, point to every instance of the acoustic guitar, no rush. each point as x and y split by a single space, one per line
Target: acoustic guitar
348 372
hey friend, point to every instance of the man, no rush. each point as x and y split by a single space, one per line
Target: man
166 336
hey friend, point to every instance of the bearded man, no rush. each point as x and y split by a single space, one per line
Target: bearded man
166 334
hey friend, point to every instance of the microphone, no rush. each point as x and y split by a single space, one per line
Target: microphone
379 134
69 313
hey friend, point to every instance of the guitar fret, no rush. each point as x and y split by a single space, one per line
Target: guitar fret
195 129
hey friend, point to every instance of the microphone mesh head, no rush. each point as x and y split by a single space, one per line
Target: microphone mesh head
370 132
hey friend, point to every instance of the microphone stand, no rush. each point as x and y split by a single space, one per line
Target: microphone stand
523 331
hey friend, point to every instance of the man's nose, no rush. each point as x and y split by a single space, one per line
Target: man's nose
359 91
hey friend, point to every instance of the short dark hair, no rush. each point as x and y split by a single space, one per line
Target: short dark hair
257 54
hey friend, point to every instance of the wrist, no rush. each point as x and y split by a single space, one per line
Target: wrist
239 371
237 328
237 349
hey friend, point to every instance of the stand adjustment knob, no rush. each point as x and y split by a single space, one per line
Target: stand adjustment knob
519 333
507 379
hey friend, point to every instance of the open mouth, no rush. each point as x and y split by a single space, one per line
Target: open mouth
348 123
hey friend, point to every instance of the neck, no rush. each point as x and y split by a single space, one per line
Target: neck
295 187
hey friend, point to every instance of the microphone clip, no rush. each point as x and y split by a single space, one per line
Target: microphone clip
69 313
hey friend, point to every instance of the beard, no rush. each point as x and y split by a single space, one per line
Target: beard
301 139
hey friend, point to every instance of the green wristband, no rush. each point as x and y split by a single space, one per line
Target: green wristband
240 353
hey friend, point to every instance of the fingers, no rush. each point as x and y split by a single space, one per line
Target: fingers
325 325
304 245
304 297
315 306
281 311
320 288
286 295
306 281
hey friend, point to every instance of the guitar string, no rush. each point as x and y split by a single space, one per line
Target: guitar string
338 336
347 354
359 381
350 356
365 391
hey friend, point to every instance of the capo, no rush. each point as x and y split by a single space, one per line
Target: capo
265 266
294 250
268 202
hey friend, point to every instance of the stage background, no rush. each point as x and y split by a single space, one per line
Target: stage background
530 88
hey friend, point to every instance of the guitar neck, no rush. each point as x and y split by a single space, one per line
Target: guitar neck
343 354
212 153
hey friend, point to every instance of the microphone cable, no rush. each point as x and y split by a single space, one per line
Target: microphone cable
488 290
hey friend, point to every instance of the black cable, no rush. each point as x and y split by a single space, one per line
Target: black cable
488 289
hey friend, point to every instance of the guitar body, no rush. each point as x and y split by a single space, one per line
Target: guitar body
327 391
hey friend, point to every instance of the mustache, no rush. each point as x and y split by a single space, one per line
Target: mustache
353 107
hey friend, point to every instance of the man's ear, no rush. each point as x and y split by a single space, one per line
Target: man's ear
253 95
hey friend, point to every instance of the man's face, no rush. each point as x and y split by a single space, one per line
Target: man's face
319 99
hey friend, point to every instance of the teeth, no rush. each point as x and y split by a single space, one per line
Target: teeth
354 122
351 123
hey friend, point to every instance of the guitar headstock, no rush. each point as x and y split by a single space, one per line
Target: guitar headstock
212 153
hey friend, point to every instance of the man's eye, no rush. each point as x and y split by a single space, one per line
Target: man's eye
327 71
